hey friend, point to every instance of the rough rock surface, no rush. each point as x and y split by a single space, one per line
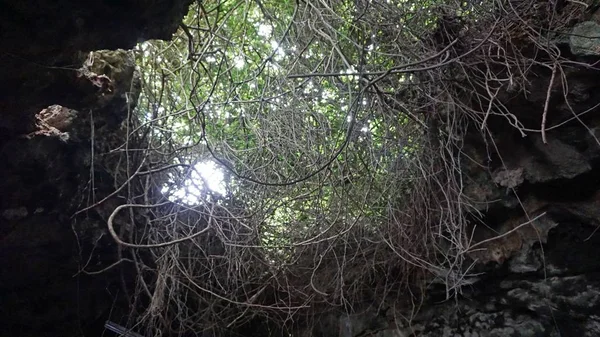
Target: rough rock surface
44 43
43 249
54 92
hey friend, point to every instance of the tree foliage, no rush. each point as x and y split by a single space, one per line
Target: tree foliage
338 126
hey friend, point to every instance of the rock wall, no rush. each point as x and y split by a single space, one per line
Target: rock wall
55 95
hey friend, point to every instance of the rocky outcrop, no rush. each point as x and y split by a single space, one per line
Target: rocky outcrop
44 43
46 172
62 107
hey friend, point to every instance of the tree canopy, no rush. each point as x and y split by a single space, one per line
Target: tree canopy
335 129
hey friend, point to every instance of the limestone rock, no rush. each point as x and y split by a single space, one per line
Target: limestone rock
585 39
